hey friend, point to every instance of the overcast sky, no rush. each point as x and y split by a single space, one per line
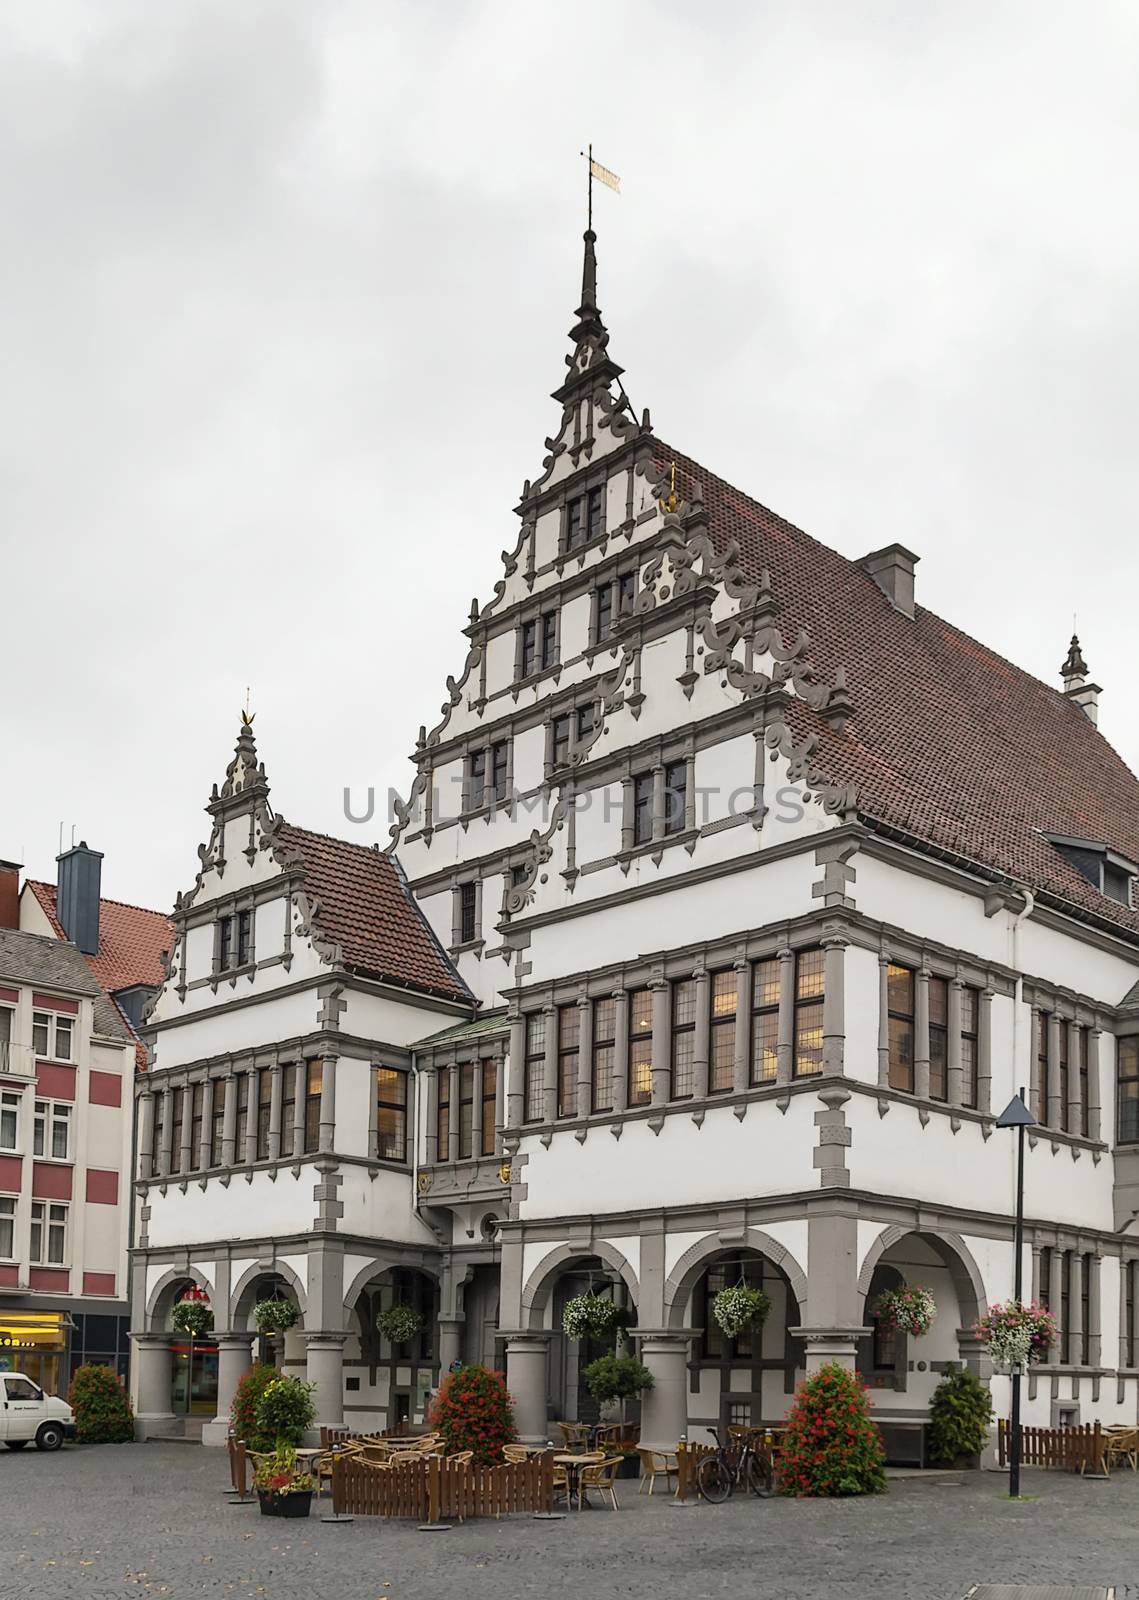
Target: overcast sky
286 287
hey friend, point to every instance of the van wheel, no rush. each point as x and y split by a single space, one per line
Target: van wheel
16 1444
50 1436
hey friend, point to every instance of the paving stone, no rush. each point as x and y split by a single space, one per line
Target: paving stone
131 1521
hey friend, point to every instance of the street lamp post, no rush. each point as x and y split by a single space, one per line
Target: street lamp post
1017 1115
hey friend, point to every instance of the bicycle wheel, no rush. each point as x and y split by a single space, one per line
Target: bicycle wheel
714 1479
761 1475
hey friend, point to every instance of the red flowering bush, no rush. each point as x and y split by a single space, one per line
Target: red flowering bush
243 1412
831 1446
473 1411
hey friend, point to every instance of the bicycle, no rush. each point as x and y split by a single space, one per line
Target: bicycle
747 1462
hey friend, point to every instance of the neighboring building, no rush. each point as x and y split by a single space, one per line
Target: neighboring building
772 888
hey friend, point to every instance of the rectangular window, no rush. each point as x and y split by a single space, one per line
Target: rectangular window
466 1111
391 1114
970 1015
765 1022
1083 1045
1131 1350
569 1051
62 1050
809 980
51 1131
604 1049
560 730
1041 1109
938 1038
288 1108
683 1039
595 505
49 1234
177 1123
489 1106
52 1035
217 1123
10 1120
528 648
443 1115
1065 1263
244 937
722 1046
1085 1354
640 1047
538 644
264 1111
675 796
900 1025
197 1109
1044 1291
602 613
586 720
468 896
549 634
314 1083
241 1121
642 808
1127 1085
476 780
500 769
41 1031
575 524
626 593
7 1227
534 1076
1064 1074
225 943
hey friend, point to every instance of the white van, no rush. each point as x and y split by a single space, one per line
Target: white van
27 1413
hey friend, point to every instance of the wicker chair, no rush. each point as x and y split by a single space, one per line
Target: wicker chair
602 1477
575 1435
515 1454
461 1456
657 1464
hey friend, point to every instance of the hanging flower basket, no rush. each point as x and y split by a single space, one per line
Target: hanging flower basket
910 1308
274 1316
589 1314
192 1317
1017 1334
399 1323
739 1307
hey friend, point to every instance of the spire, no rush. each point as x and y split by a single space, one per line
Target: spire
590 364
1074 669
245 776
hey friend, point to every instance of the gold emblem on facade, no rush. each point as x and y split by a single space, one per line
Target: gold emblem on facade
671 501
424 1182
504 1172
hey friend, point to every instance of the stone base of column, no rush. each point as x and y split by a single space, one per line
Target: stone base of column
450 1343
216 1432
527 1381
664 1407
324 1367
826 1345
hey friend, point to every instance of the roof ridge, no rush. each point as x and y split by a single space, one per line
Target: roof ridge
332 838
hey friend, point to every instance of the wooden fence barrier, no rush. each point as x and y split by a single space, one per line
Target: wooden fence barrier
331 1436
1076 1449
689 1457
432 1489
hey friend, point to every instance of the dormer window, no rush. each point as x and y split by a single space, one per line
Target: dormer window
1105 870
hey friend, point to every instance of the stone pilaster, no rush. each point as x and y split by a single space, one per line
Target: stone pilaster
526 1379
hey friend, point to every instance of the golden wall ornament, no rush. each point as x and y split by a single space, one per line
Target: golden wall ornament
504 1172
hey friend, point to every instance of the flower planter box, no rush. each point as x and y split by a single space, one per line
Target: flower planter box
630 1467
297 1504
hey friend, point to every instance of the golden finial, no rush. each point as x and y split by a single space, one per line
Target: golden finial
247 716
671 501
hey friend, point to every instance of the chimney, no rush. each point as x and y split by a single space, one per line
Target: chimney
1074 671
77 896
9 894
893 571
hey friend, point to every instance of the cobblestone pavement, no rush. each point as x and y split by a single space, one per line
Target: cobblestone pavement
151 1520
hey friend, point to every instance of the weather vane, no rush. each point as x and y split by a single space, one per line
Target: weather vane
247 716
603 175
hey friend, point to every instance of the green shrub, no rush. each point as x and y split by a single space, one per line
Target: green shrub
959 1417
243 1412
473 1411
617 1378
193 1318
103 1413
285 1410
831 1446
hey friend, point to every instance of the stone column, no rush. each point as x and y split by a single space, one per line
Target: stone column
235 1357
499 1103
186 1157
664 1407
1095 1091
476 1110
526 1361
300 1089
1076 1310
252 1106
151 1381
834 1004
621 1050
785 1023
276 1096
453 1114
883 1020
585 1056
1037 1091
166 1138
515 1070
1095 1322
741 1065
328 1110
702 1030
985 1051
450 1343
662 1042
956 1077
1053 1085
550 1066
146 1134
832 1318
921 1033
1075 1106
324 1367
229 1120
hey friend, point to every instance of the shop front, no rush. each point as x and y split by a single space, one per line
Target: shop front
36 1344
193 1377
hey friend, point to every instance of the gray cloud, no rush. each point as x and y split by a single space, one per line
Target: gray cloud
285 290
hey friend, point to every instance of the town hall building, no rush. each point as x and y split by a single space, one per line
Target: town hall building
735 896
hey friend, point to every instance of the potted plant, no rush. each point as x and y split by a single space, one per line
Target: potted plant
739 1307
274 1317
399 1323
909 1308
617 1379
1017 1334
243 1411
284 1489
587 1314
959 1417
285 1410
831 1445
473 1411
193 1318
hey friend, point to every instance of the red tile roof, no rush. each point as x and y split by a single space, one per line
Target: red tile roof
949 743
366 908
